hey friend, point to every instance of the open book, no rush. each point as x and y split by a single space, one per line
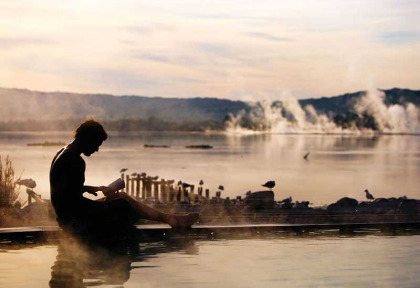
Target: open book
116 185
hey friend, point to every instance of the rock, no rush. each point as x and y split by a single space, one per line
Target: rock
343 206
347 202
409 206
378 206
260 200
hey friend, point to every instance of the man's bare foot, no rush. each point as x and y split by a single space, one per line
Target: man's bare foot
183 221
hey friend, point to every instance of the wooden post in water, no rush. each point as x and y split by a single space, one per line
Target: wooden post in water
132 186
184 194
171 193
143 187
168 189
178 194
36 197
149 182
127 184
193 196
156 189
148 187
164 189
163 194
138 186
29 196
122 178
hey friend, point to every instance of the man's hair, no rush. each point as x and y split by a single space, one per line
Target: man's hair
90 129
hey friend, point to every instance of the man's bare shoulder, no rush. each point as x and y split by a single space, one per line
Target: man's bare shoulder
68 157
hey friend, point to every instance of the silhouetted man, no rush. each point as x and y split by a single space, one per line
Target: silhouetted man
67 185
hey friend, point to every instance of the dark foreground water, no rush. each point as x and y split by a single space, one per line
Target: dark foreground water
372 260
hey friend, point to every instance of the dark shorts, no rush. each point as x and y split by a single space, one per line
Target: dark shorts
94 216
110 211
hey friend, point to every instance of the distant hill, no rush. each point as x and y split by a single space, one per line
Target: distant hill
40 110
21 105
345 103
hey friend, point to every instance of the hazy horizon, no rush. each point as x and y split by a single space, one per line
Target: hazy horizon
181 97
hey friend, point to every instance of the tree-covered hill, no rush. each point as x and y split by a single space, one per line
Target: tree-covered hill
22 109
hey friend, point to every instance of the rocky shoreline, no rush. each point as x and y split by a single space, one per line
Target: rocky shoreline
260 207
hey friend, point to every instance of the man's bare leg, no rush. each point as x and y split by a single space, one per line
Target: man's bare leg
146 212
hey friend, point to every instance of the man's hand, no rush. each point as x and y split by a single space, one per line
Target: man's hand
91 190
106 190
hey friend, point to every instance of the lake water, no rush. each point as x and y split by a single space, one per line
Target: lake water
271 261
338 165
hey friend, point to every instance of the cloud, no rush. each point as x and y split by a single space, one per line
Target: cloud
189 80
214 49
127 79
269 37
153 57
9 43
149 29
223 16
399 37
209 16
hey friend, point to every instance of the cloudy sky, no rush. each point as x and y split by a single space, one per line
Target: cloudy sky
232 49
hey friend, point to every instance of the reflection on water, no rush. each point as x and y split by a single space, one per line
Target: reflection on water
78 265
81 264
368 258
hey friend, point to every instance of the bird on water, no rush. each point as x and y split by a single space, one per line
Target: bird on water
270 184
306 156
368 195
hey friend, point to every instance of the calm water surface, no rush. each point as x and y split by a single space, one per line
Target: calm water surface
338 166
358 261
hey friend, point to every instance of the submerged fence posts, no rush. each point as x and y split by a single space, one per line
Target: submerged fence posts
141 186
138 186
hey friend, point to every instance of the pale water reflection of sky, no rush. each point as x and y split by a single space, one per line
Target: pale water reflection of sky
228 49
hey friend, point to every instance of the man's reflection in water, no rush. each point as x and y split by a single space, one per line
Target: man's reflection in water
82 264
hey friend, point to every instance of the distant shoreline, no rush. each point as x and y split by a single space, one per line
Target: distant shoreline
247 132
47 143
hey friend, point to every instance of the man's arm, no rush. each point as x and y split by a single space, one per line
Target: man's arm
93 189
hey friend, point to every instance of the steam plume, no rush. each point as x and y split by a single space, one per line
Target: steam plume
282 117
390 119
289 117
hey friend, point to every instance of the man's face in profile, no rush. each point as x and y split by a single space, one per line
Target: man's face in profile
91 147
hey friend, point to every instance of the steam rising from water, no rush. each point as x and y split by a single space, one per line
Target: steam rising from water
289 117
390 119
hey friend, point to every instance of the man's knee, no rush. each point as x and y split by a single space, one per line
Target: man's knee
125 196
